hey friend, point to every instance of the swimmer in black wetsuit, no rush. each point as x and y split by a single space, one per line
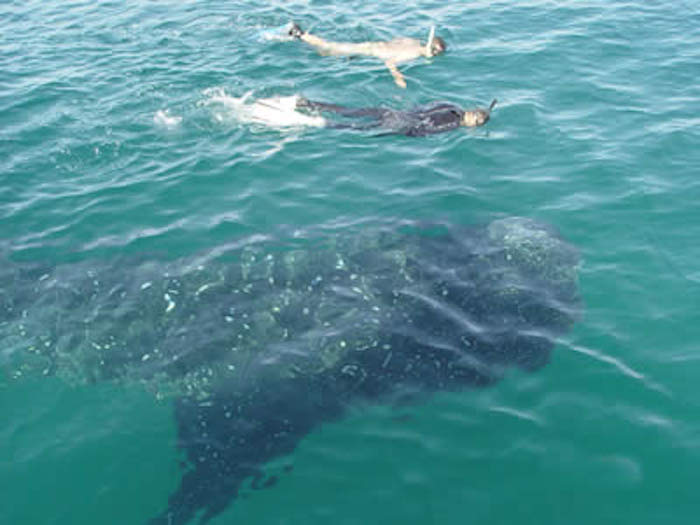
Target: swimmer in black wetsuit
425 120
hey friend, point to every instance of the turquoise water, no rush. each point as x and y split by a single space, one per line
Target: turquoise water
596 132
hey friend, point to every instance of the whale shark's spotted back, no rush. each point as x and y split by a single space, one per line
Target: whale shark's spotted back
262 345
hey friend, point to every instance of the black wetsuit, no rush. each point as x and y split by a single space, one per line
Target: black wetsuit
424 120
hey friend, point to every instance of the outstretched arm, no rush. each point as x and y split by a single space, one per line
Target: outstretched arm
398 77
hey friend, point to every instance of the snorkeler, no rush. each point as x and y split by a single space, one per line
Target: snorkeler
418 122
296 111
393 52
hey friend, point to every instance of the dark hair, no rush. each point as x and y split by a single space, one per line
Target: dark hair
439 45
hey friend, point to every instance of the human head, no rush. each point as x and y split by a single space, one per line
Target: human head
435 45
477 117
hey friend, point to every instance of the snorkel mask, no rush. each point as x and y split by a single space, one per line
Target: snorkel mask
477 117
435 45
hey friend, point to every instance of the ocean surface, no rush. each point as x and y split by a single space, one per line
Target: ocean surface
117 139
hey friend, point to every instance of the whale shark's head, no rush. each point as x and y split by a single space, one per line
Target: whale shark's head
476 302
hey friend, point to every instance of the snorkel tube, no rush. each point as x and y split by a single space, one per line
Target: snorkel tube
429 44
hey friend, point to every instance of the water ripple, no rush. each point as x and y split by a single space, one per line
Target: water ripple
108 146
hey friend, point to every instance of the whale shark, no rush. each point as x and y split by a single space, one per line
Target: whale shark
260 342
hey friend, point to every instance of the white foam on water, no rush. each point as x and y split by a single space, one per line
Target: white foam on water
276 112
164 119
278 34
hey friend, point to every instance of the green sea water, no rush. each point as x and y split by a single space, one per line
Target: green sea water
596 131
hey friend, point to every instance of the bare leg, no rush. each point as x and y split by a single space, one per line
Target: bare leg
326 47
